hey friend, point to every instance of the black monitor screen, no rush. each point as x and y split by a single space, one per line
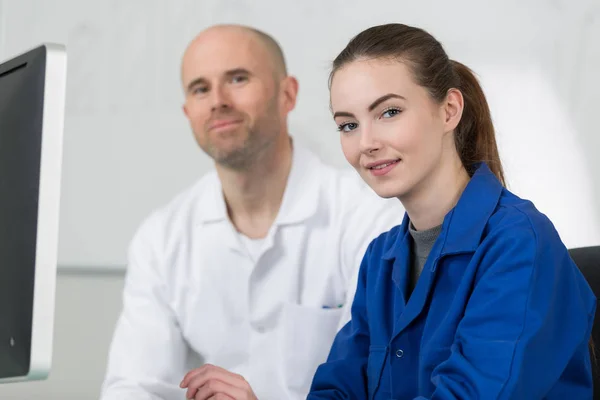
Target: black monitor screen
21 115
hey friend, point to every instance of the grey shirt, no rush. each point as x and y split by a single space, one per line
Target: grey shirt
421 244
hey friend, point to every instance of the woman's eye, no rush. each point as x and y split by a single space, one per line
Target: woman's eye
390 113
347 127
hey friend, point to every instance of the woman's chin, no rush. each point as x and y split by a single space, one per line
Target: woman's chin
388 191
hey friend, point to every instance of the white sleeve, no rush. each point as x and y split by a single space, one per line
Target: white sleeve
147 356
368 217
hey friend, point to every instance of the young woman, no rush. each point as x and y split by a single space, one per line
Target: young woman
474 296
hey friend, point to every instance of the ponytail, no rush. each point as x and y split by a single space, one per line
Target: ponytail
475 137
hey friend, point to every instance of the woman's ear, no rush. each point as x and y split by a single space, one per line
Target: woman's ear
453 108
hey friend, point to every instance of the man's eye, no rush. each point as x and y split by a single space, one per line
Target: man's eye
239 78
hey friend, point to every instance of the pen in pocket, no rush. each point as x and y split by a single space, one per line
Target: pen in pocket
329 307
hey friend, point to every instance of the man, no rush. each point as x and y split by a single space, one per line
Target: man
237 287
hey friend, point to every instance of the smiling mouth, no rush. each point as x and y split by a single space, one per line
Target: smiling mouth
225 124
382 166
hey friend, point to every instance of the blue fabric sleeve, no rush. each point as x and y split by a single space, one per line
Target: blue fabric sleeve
344 375
523 325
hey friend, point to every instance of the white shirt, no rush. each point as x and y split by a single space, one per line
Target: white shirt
194 295
254 247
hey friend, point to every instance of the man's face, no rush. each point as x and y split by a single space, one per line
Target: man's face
232 96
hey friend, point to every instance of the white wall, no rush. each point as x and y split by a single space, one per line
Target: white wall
128 147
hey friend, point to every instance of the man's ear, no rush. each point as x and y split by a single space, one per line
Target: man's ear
289 87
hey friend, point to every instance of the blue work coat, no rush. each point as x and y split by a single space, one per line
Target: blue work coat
500 311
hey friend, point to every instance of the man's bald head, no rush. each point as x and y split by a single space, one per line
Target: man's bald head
274 49
267 42
237 93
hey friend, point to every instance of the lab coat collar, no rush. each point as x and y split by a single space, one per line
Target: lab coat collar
464 224
301 195
472 212
300 198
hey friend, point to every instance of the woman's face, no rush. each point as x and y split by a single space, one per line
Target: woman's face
392 132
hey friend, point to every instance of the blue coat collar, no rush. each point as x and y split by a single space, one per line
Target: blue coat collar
464 224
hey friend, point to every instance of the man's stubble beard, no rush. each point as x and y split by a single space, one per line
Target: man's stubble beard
260 137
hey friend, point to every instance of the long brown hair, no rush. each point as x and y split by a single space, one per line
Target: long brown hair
474 136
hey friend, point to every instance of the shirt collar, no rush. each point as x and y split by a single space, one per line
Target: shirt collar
300 198
463 225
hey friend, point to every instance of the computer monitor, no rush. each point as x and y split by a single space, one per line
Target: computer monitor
32 97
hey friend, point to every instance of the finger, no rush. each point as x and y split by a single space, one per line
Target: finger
211 369
189 376
214 388
207 372
192 374
220 396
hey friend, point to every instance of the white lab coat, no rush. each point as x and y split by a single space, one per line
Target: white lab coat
193 294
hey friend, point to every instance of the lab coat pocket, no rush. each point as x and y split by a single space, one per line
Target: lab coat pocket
375 366
308 333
